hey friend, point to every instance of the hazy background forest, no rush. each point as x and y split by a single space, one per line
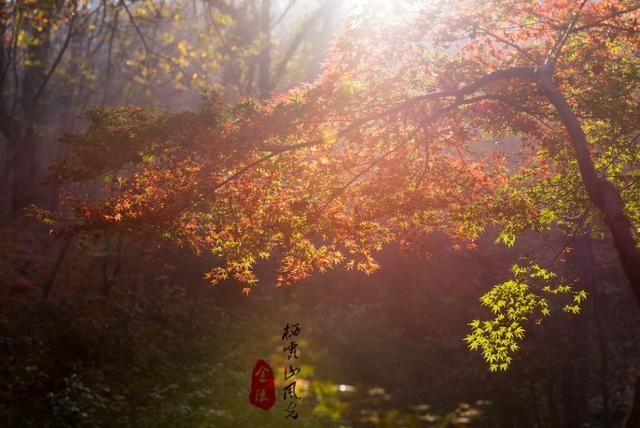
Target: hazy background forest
124 331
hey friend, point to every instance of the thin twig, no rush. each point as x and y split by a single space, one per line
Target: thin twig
554 52
520 50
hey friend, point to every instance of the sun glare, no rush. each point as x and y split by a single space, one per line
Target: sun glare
371 6
383 11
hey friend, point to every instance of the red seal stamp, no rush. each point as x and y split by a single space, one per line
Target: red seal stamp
263 390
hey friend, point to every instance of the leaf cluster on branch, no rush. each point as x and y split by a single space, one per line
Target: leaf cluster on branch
435 120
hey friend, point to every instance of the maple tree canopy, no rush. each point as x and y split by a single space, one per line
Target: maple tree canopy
451 117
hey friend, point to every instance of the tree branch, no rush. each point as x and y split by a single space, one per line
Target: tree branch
520 50
602 193
504 74
56 62
283 14
598 22
554 52
135 27
307 25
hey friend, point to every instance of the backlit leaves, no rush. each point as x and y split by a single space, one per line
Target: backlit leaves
513 303
387 147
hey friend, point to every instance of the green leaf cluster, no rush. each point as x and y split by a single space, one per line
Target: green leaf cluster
513 303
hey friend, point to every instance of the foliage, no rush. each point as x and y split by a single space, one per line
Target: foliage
165 358
183 354
61 58
387 145
513 302
122 52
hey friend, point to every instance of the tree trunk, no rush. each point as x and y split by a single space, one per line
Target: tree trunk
56 267
322 39
23 146
575 406
24 163
264 59
633 415
606 197
554 418
597 302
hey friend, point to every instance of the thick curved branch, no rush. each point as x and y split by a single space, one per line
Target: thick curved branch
493 77
602 193
496 76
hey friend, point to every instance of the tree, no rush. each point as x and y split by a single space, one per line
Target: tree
57 58
395 140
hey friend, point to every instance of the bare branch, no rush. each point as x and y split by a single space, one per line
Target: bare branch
307 25
56 62
135 26
283 14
